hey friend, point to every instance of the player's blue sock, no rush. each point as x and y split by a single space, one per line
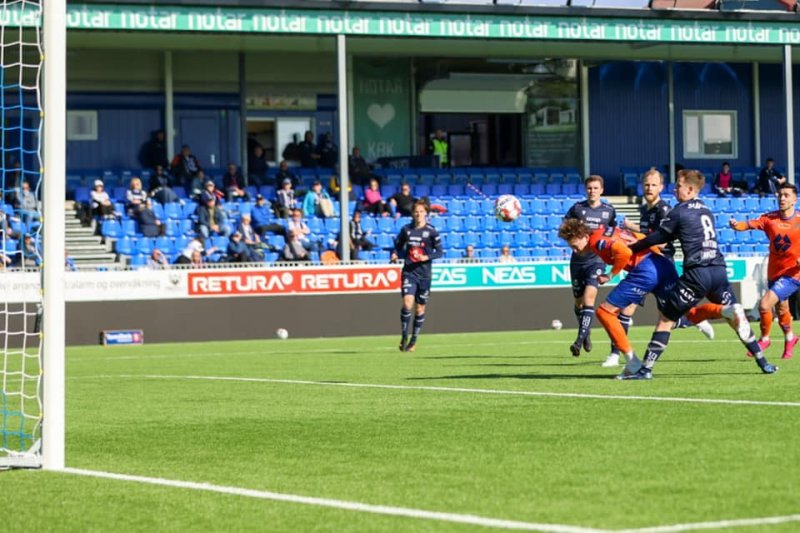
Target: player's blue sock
658 343
625 321
405 320
585 323
418 321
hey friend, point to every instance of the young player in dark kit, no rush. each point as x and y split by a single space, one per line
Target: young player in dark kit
704 275
585 268
417 244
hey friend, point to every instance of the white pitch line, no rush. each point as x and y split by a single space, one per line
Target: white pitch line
719 401
721 524
406 512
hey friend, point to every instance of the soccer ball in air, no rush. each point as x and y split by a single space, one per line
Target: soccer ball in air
556 324
282 334
507 208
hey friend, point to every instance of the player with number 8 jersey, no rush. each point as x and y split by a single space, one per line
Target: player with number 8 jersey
704 275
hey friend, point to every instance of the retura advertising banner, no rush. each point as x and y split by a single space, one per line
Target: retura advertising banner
232 282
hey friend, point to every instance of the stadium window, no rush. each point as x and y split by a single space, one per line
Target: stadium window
709 134
81 125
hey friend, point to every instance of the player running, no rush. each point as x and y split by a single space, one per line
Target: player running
783 273
704 275
585 268
418 244
648 272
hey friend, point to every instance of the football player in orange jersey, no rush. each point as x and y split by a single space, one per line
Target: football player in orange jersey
783 273
648 272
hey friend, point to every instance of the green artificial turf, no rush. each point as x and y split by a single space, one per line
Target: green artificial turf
593 462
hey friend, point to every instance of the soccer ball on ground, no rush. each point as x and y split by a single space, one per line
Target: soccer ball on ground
507 208
282 334
556 324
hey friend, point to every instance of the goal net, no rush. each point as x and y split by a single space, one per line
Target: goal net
21 61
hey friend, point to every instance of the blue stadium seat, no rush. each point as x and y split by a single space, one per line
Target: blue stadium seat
138 260
552 188
522 189
386 225
187 227
423 190
173 211
128 227
118 194
82 194
752 204
473 224
158 209
456 189
143 245
472 238
110 228
505 188
123 246
315 225
570 189
165 244
489 189
172 228
489 239
455 223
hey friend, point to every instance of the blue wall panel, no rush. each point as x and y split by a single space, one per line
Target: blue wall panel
773 114
627 117
715 86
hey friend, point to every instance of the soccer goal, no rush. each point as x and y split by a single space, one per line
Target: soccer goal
33 108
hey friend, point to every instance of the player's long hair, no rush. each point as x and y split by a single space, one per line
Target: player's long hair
572 228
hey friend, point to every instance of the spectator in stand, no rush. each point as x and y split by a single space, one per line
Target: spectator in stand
6 228
157 260
284 173
291 151
211 220
154 151
373 201
29 256
262 214
724 184
402 203
317 203
233 183
294 250
251 238
769 179
300 230
185 166
161 187
335 187
505 255
27 204
469 255
257 167
309 154
284 199
238 251
210 192
101 203
135 197
149 224
197 186
438 146
358 237
328 152
360 173
192 251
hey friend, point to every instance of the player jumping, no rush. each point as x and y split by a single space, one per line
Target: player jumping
418 244
783 273
704 276
585 268
648 272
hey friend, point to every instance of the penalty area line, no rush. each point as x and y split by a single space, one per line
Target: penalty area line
721 524
405 512
468 390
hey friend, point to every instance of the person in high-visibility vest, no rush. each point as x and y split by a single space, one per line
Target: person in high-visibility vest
438 146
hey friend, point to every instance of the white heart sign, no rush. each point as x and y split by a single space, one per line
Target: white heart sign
381 114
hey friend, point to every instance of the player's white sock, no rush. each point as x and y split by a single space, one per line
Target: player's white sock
789 337
765 338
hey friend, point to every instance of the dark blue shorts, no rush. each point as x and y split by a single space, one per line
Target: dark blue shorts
419 288
655 274
784 287
694 285
584 274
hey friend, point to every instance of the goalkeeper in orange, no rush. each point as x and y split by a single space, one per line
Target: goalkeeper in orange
648 272
783 273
